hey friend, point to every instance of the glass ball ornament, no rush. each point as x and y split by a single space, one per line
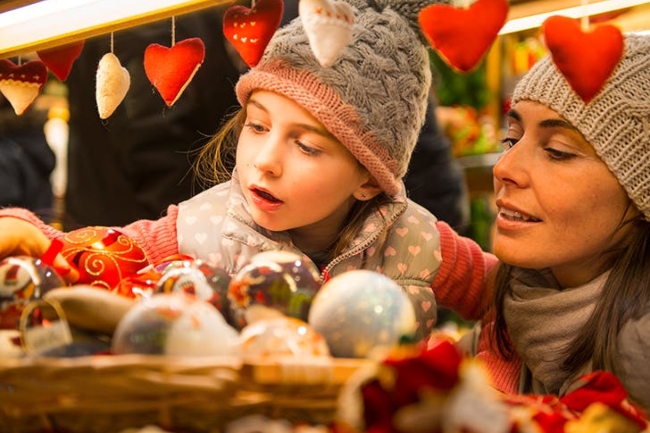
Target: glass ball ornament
22 280
281 336
199 278
281 280
361 310
174 324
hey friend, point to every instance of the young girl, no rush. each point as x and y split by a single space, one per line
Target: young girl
573 233
320 157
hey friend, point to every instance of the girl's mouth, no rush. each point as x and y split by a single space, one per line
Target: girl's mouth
266 196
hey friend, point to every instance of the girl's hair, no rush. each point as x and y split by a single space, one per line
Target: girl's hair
216 160
625 296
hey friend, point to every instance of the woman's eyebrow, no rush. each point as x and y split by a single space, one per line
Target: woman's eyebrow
557 123
514 114
547 123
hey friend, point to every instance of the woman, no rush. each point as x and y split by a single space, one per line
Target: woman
573 233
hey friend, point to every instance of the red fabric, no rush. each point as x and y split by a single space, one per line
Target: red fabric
60 59
462 36
584 68
170 70
463 282
249 30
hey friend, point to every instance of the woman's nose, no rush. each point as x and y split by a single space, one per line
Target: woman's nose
510 167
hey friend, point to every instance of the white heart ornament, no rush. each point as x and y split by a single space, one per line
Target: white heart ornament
328 26
113 81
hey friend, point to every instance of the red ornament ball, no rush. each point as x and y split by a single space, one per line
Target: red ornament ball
102 255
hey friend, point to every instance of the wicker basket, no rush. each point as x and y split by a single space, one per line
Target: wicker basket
107 394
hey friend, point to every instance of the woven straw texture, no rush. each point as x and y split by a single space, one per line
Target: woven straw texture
107 394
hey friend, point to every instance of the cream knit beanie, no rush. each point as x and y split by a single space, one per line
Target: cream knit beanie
372 98
616 122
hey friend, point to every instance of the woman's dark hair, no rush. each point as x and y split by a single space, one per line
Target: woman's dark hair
625 296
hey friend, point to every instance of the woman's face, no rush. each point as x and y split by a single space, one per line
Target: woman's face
294 173
559 206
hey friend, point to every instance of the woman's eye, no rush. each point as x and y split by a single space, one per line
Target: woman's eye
558 155
509 142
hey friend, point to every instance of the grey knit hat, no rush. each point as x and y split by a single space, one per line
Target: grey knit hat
616 122
372 98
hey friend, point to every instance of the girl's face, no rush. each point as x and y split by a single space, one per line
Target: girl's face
295 175
559 206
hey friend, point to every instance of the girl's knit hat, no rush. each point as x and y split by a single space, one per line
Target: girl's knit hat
616 122
372 98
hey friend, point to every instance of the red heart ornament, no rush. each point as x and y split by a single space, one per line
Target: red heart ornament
170 70
22 84
586 69
249 30
462 36
59 60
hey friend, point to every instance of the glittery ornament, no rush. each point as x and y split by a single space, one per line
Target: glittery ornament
103 256
277 279
361 310
22 280
199 278
174 324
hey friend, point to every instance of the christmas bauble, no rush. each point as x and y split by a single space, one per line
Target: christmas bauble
102 255
199 278
175 324
22 280
281 336
361 310
277 279
136 286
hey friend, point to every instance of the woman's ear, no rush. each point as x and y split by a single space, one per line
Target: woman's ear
368 190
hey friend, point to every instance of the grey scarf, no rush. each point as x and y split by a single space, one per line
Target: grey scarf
542 321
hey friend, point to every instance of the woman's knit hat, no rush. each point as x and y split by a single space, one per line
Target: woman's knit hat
616 122
372 98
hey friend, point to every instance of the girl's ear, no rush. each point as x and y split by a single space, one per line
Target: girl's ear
368 190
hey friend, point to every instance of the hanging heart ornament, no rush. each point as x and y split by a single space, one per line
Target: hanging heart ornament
249 30
170 70
574 53
21 84
462 36
60 59
328 26
112 83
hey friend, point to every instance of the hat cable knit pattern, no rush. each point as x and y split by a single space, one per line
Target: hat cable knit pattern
616 122
372 98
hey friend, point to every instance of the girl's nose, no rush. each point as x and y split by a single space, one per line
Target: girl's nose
269 157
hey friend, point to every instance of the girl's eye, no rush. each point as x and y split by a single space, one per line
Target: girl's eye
308 150
255 127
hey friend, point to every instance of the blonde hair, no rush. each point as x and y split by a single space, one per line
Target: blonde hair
216 160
